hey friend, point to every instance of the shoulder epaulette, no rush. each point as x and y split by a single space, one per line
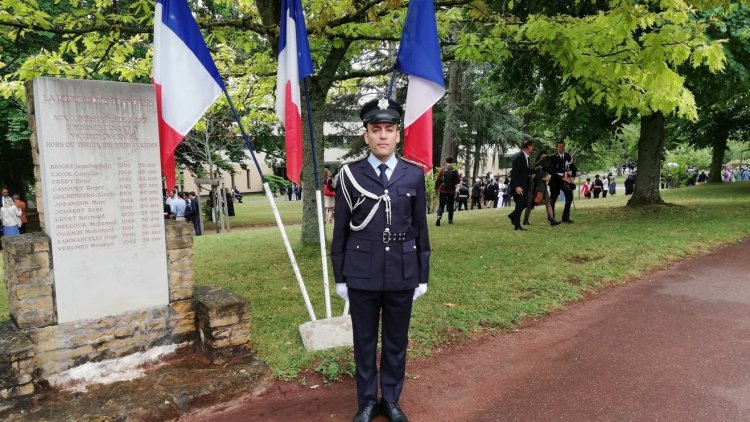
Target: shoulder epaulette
357 160
414 163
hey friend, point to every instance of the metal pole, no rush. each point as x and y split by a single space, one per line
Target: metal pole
276 214
319 206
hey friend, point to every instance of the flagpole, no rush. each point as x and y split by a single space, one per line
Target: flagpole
390 85
276 214
321 228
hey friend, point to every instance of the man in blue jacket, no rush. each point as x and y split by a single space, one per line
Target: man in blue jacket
380 253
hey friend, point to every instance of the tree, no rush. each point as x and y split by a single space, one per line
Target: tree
621 55
723 100
109 39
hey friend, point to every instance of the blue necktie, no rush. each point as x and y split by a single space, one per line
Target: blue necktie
383 176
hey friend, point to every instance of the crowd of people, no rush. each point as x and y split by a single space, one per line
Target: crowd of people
183 206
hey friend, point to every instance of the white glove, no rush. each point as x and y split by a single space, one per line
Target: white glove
420 290
342 290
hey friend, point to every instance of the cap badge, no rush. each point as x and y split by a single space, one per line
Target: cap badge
383 104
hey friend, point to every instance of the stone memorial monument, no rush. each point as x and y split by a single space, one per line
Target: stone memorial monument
101 195
108 276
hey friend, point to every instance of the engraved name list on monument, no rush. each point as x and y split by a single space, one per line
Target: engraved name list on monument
101 188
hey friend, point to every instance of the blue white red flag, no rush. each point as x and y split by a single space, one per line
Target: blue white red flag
295 63
187 81
419 57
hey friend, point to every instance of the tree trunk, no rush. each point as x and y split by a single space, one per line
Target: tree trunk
477 157
319 85
717 158
310 233
449 143
650 156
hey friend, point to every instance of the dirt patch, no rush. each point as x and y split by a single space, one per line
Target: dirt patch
184 383
582 259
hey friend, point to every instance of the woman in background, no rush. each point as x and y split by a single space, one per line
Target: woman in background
539 180
11 217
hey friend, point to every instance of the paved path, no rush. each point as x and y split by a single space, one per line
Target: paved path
671 346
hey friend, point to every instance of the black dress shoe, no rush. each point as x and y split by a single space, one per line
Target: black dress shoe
366 414
392 412
526 223
520 228
553 222
569 221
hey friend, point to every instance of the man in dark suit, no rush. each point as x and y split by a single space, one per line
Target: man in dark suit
562 173
519 182
195 215
380 253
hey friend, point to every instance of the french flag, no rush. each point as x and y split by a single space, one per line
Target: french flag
295 63
419 57
187 81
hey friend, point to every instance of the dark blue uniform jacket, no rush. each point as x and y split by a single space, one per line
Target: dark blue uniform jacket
362 259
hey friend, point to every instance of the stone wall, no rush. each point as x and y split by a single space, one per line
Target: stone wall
29 274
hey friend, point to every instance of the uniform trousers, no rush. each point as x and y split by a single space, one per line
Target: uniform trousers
554 189
521 202
366 307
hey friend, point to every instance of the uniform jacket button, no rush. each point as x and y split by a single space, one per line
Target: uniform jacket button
387 248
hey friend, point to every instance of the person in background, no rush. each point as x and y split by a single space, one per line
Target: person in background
476 194
237 194
506 194
177 206
21 206
586 188
612 186
598 185
230 202
502 188
329 195
520 182
445 186
562 172
728 175
605 185
11 217
462 197
539 178
195 215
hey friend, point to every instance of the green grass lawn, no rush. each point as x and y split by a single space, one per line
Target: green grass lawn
485 277
255 211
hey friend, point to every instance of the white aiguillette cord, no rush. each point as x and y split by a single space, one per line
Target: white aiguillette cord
348 177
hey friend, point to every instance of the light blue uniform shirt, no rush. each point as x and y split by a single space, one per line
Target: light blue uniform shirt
391 163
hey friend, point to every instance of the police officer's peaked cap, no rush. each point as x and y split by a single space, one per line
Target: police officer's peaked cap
381 110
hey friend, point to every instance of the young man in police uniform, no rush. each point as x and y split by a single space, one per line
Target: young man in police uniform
381 254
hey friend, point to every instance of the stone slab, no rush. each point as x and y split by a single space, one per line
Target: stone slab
327 333
98 140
